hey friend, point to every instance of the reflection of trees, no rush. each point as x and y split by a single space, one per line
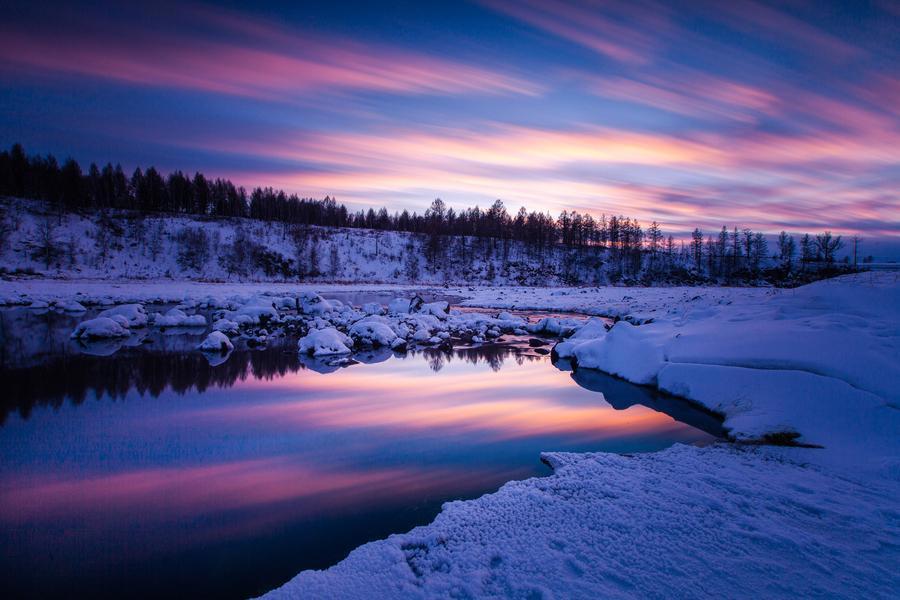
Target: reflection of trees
152 371
491 354
79 376
29 336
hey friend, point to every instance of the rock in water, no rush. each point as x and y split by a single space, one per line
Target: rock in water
217 341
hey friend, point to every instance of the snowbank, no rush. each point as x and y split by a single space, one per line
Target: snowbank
797 362
257 310
627 351
594 328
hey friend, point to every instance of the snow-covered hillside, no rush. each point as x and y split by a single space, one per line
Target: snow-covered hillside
125 245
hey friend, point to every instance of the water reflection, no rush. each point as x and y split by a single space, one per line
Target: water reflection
621 395
73 373
155 473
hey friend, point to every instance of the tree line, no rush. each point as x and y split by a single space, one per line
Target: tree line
727 254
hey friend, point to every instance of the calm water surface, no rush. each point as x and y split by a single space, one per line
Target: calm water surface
150 472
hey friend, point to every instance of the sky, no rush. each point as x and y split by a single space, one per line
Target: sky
766 115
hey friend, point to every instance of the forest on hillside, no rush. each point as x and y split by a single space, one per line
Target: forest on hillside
618 245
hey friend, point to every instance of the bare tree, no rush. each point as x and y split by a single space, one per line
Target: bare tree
155 243
314 257
335 260
47 248
411 265
193 248
6 229
235 259
828 245
786 249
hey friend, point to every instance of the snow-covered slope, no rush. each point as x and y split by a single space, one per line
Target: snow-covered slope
123 245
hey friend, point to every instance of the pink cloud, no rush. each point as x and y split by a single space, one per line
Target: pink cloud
689 92
607 29
760 20
249 64
756 178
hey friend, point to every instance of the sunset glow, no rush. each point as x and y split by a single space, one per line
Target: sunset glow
754 114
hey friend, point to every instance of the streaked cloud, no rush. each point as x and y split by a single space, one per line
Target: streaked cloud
753 113
245 57
620 31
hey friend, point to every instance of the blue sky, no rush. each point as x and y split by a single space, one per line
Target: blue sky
769 115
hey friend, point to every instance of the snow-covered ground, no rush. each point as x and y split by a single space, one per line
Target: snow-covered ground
818 365
682 523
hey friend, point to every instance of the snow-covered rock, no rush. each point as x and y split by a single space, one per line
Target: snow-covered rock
255 311
226 326
438 309
508 320
373 308
324 342
314 304
134 314
399 306
175 317
217 341
368 332
71 306
102 327
554 326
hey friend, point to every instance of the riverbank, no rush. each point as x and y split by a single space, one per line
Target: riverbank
818 363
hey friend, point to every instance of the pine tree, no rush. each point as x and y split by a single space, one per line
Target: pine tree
807 250
786 249
697 248
735 250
